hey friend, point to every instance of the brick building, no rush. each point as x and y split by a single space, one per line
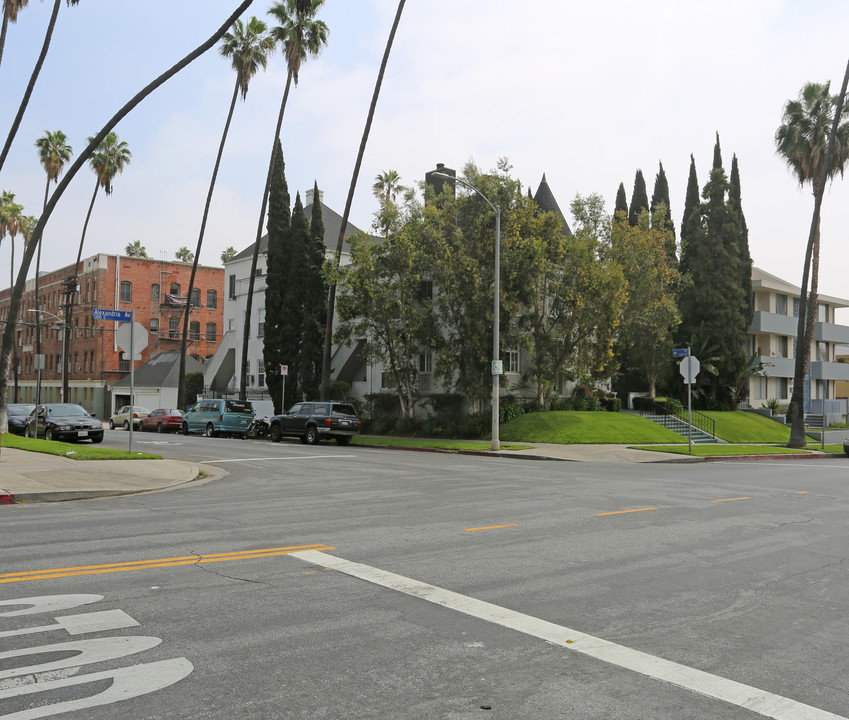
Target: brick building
155 289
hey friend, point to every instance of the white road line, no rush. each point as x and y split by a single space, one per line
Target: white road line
275 459
760 701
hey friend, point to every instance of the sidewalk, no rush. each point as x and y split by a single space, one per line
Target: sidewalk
28 477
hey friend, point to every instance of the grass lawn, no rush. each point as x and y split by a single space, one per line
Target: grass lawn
437 444
575 428
75 451
745 427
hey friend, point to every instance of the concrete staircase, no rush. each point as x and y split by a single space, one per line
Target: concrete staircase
682 428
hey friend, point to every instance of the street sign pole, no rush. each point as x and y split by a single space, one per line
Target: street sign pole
132 378
284 371
690 411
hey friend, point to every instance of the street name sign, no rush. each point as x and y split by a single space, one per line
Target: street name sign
117 315
680 352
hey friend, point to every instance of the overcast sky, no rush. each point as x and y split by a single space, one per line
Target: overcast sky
583 92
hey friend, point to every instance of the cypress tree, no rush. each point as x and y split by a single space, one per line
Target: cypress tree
639 199
692 206
712 294
660 196
621 201
279 226
292 316
736 203
315 302
717 155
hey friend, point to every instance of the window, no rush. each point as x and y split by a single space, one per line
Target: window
195 301
511 361
783 386
822 352
174 289
260 372
822 313
425 362
211 299
232 292
780 304
123 366
126 291
260 327
154 292
761 387
210 332
782 346
231 325
796 303
154 325
194 331
174 328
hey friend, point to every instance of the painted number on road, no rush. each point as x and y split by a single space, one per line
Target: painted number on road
31 671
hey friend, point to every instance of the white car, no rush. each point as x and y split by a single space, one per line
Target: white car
125 414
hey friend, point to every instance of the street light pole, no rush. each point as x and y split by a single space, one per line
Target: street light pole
497 368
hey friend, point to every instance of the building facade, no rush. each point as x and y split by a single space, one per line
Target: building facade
154 289
772 338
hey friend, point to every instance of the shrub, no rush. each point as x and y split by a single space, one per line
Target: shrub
408 426
579 404
510 410
672 405
642 402
193 387
562 404
611 403
532 406
474 426
592 404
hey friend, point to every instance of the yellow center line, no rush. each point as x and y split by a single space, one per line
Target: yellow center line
490 527
149 564
731 499
620 512
802 492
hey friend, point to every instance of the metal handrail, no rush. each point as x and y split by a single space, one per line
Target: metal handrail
697 420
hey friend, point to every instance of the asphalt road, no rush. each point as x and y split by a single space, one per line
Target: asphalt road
463 587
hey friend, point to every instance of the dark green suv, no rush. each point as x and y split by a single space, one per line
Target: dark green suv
316 421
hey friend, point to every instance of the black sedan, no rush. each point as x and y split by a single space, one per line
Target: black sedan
18 416
63 421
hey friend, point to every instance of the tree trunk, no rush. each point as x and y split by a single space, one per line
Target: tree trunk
331 302
181 377
246 336
28 92
796 411
3 35
18 289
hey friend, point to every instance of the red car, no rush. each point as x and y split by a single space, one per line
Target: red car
162 420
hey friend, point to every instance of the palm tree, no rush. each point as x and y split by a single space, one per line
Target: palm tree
301 36
815 144
135 249
36 70
331 302
10 15
185 255
18 289
110 158
228 254
248 47
12 217
53 152
387 185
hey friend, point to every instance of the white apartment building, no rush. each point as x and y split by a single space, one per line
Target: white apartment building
772 337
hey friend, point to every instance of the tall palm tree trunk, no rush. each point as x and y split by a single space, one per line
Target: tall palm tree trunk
246 335
331 302
3 30
28 92
18 289
805 325
181 377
